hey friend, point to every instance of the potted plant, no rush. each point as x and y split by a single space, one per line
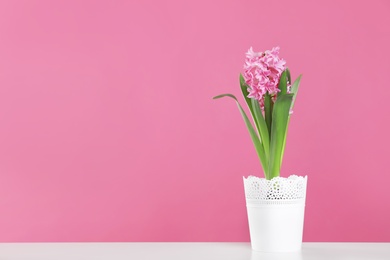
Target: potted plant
275 205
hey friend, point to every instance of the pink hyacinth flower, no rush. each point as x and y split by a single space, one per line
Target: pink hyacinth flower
262 71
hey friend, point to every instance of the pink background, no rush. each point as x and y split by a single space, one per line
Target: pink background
108 131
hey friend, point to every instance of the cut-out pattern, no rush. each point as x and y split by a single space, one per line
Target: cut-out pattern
279 190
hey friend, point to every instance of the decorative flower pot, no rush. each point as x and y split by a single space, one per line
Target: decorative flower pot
276 212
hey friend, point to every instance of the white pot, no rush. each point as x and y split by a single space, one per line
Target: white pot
276 212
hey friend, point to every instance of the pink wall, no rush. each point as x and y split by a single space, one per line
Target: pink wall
108 131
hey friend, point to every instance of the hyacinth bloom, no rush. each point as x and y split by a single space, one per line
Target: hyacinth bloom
269 95
262 71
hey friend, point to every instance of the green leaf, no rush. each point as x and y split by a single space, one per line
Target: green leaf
283 83
268 107
294 89
262 126
245 93
288 75
255 138
257 116
280 117
225 95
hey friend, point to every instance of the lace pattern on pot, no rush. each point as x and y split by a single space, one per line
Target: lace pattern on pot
279 190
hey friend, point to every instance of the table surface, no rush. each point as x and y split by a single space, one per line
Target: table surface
190 251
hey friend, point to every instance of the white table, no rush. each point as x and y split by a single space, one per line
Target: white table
187 251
